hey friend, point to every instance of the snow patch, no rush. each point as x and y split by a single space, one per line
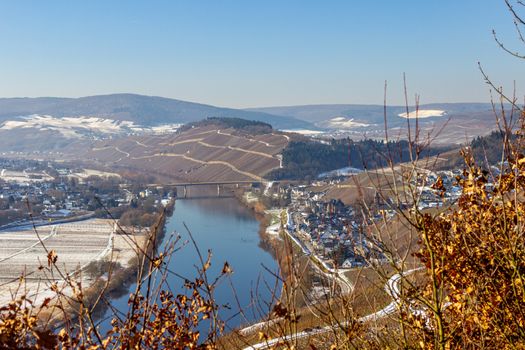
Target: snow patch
304 131
345 123
423 113
273 230
165 128
85 173
346 171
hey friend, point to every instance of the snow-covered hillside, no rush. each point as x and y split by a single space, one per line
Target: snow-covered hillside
77 127
345 123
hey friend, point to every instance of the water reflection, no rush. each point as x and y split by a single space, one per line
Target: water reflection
231 232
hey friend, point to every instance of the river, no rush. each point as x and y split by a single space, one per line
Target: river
231 232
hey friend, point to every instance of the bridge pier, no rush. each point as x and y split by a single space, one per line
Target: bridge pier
185 191
218 190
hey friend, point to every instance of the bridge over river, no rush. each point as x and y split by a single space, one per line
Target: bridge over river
185 186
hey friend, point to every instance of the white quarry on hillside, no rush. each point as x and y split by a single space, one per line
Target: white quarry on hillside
423 113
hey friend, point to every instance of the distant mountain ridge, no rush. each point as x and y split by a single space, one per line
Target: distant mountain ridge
444 123
368 113
96 117
140 109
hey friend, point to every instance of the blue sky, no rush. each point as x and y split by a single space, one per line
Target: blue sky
257 53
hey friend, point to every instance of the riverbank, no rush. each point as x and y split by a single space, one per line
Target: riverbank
288 250
121 279
269 228
108 277
298 271
287 256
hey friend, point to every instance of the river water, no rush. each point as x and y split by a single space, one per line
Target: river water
231 232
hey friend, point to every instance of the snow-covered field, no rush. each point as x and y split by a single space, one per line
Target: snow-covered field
75 127
423 113
23 177
76 244
347 171
304 131
162 129
345 123
91 172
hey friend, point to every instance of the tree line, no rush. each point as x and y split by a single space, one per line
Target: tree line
306 159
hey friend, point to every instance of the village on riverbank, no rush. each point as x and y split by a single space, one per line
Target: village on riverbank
334 232
62 225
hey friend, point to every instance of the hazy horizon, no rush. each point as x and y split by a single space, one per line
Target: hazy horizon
411 104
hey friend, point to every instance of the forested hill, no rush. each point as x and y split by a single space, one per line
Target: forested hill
253 127
486 151
306 159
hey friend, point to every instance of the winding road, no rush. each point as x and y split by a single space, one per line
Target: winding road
391 287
